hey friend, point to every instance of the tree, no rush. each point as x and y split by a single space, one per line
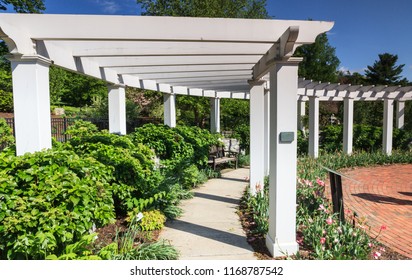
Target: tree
205 8
320 62
24 6
385 72
351 78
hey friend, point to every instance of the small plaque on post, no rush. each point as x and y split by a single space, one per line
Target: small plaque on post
287 137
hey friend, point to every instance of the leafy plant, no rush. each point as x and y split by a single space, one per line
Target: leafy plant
125 248
152 220
6 135
50 200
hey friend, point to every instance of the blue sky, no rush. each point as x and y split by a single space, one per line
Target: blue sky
363 28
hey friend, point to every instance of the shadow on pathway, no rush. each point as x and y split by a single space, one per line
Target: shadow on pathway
210 228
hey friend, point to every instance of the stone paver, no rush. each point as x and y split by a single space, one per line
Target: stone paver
383 195
210 228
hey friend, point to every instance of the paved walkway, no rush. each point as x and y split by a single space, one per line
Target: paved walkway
384 197
210 228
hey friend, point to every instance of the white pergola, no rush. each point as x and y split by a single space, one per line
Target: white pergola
215 58
318 91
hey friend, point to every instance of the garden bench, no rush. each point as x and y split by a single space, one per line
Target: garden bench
229 152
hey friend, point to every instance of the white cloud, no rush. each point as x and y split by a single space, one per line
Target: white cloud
109 6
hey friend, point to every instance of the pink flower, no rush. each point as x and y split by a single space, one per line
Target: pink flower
322 208
382 249
383 227
376 255
329 221
370 245
300 240
320 182
322 240
339 229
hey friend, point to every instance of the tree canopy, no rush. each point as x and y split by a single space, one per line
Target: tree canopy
385 71
205 8
24 6
320 62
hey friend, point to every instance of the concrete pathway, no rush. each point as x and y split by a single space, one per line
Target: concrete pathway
384 197
210 228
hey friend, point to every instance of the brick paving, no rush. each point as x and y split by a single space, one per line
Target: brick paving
383 196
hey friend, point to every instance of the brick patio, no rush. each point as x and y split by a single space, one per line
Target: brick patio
383 195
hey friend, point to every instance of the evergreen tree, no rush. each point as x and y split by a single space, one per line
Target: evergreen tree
385 72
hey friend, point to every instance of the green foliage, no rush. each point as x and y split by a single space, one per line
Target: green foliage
6 134
259 206
167 143
50 200
385 72
369 113
242 133
152 220
81 128
159 250
79 250
303 143
234 112
205 8
24 6
134 173
365 138
6 95
320 62
193 111
201 140
124 248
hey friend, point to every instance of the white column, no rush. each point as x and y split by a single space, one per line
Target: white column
301 114
387 126
347 125
266 148
117 109
215 115
400 114
169 103
257 141
31 97
313 126
281 237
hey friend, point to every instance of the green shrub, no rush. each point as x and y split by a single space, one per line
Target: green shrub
152 220
365 138
303 143
331 138
81 128
6 101
135 175
50 200
6 135
169 145
201 140
242 133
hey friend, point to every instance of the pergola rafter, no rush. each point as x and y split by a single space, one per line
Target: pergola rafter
214 58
